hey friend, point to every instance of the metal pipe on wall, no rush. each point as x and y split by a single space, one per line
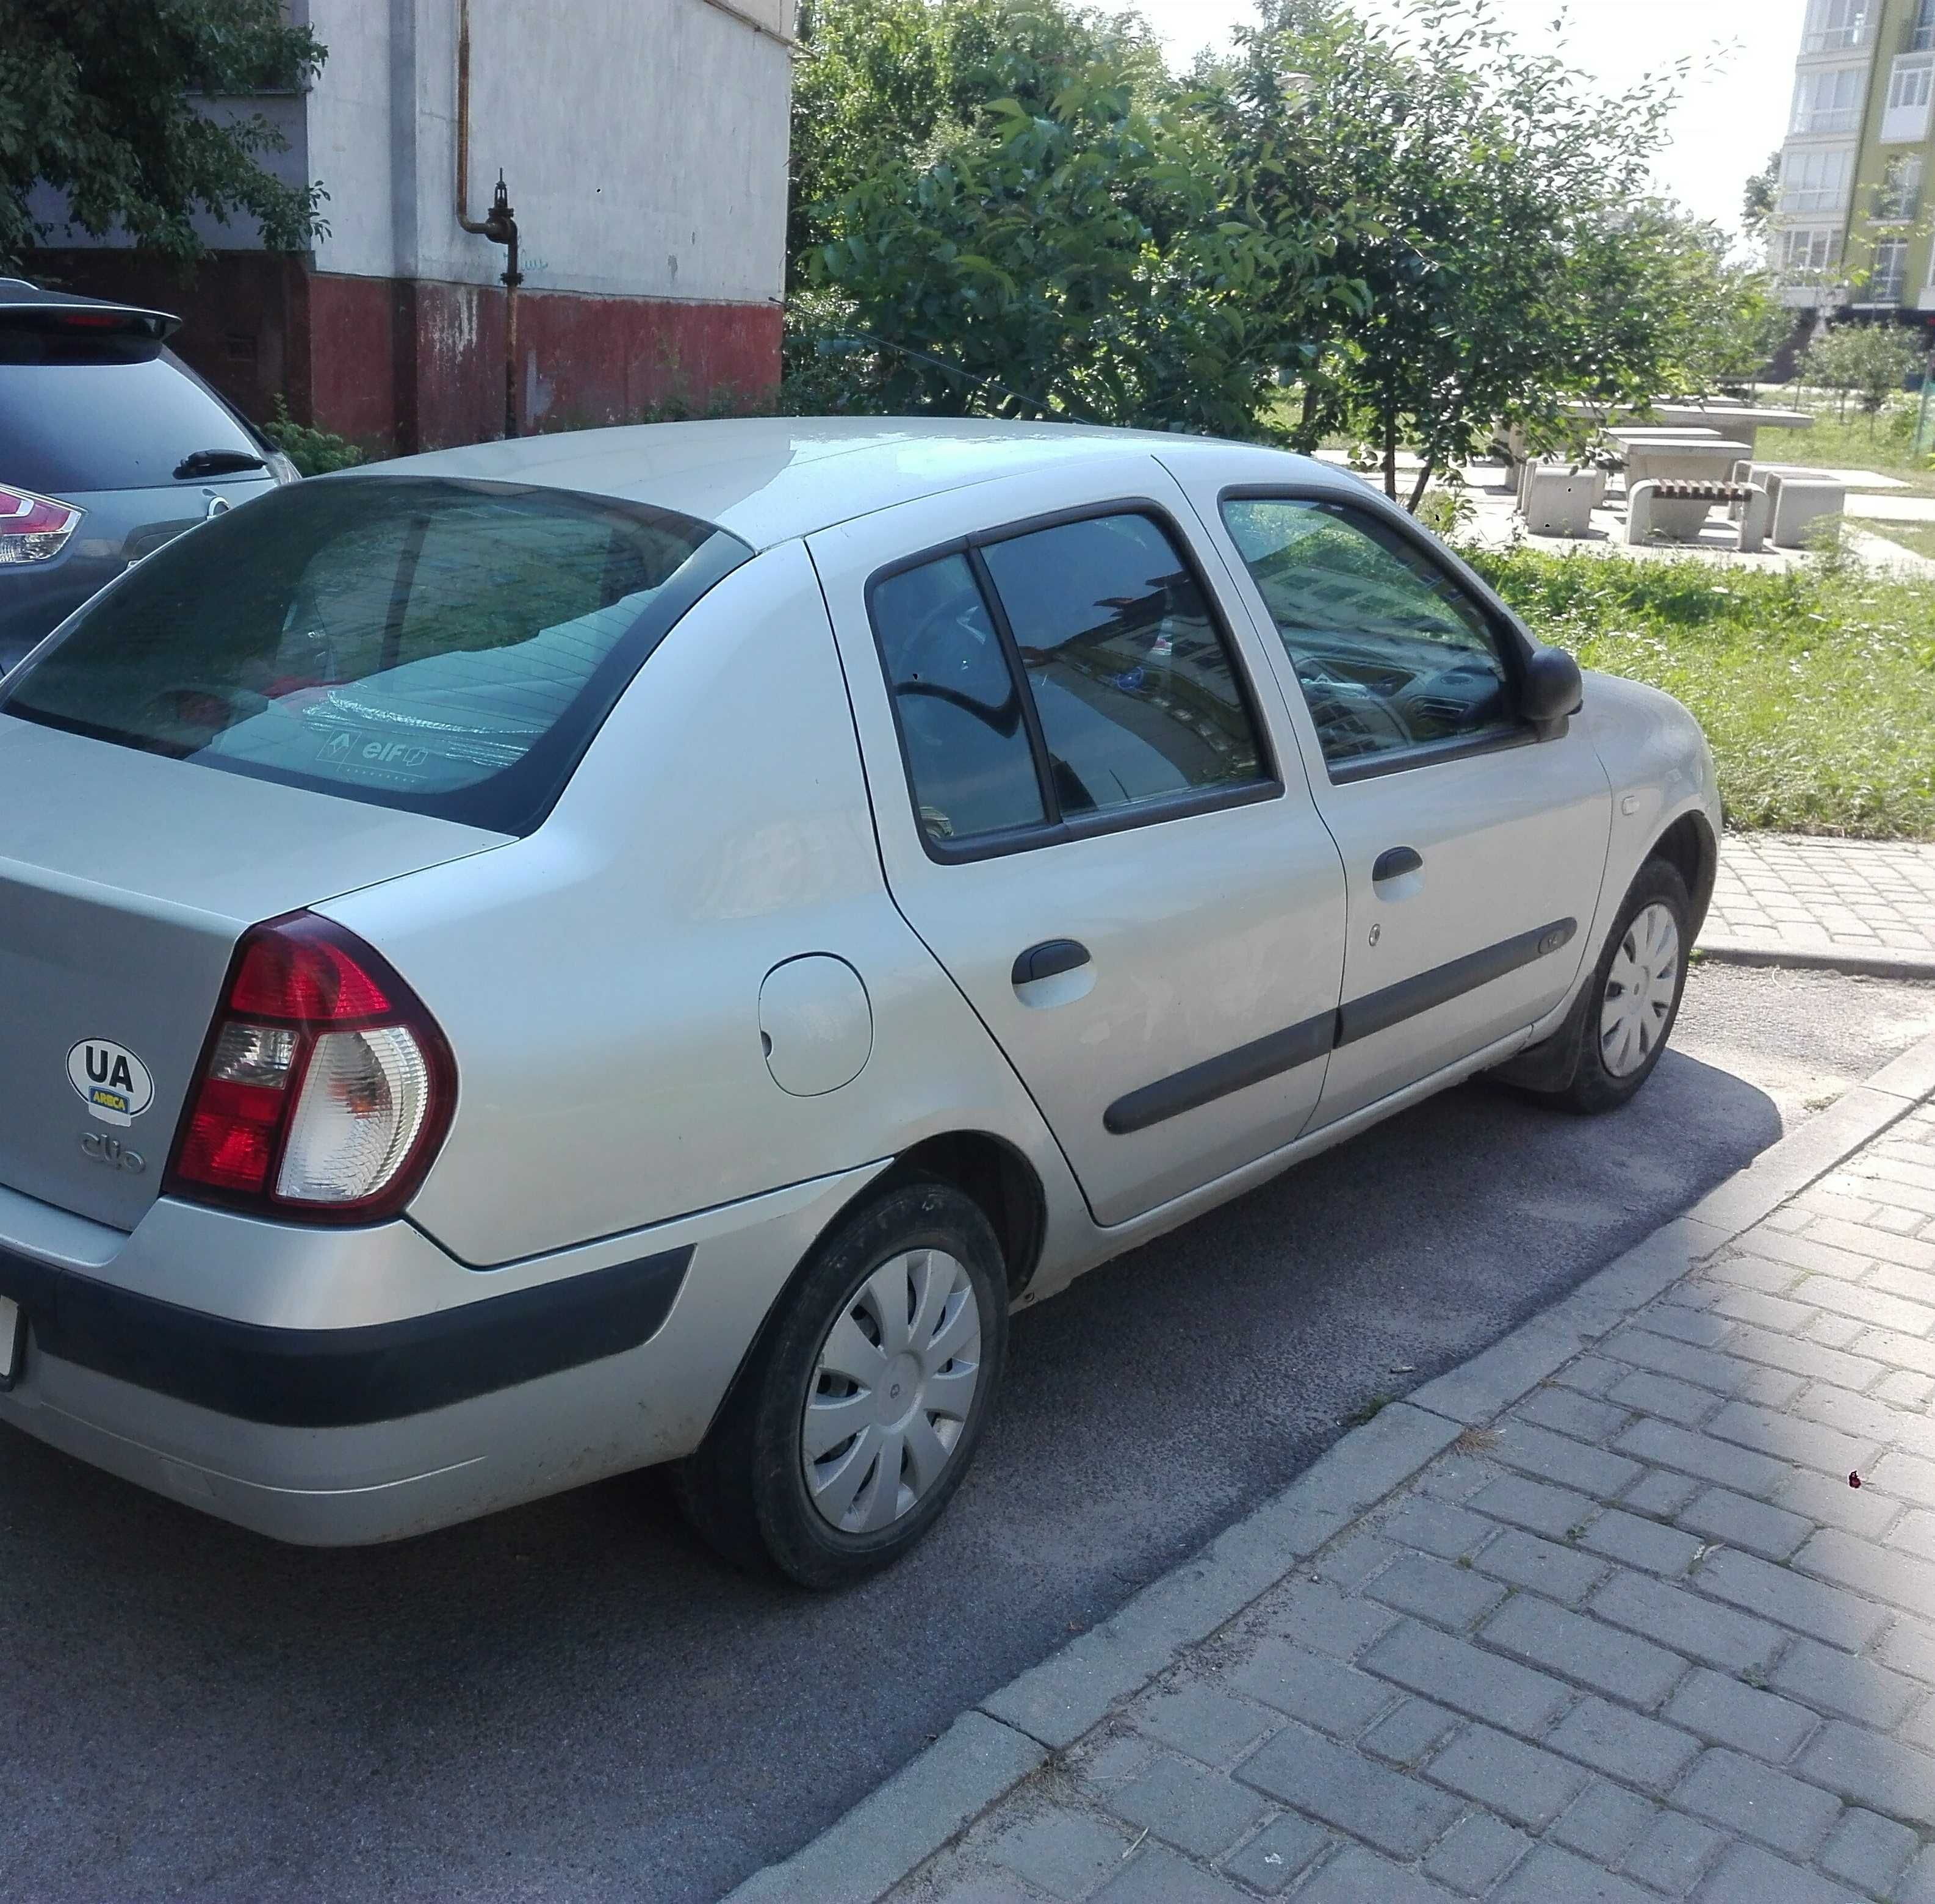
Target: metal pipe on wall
500 226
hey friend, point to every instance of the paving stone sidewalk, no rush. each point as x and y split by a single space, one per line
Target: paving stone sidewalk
1601 1614
1855 904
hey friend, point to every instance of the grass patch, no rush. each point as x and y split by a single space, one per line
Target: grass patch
1878 443
1919 536
1816 688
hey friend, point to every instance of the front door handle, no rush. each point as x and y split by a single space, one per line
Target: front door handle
1051 957
1394 862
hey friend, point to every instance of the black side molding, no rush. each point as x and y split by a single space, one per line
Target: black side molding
1378 1011
1217 1077
344 1378
1300 1044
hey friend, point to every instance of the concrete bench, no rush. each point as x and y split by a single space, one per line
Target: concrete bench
1676 511
1798 501
1557 499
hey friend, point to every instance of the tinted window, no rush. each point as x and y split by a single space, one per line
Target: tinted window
450 647
959 708
1137 696
1391 652
78 415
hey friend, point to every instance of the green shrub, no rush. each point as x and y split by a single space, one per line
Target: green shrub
314 452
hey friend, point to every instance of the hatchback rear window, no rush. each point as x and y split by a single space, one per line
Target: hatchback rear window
80 413
449 647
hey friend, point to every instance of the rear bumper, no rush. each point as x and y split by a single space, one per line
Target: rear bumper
344 1378
322 1417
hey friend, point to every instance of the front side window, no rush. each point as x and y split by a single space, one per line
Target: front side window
449 647
1067 674
1390 652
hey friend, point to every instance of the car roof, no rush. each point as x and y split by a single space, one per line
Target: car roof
767 479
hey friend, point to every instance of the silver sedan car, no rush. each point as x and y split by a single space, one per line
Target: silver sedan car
647 945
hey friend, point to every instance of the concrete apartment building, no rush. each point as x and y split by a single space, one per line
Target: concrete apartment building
643 145
1855 219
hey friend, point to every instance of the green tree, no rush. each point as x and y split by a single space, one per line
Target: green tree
879 82
98 97
1870 362
1489 186
1091 256
1758 198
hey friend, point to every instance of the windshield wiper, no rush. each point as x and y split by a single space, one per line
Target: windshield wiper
218 463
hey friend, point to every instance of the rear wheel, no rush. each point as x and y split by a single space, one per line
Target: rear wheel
847 1434
1633 999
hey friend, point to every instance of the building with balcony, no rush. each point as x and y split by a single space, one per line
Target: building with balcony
1853 223
643 146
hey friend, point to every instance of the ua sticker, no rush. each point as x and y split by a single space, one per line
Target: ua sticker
113 1083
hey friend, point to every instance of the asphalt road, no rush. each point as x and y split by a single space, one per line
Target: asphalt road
575 1702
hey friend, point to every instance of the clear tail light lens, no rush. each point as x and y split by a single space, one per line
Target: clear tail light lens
327 1088
34 528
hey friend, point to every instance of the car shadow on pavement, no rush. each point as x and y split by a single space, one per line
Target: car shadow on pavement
574 1699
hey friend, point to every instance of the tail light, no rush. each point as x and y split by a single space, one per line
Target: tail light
34 528
326 1089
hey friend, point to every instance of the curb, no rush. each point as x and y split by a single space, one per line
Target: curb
1797 958
1007 1738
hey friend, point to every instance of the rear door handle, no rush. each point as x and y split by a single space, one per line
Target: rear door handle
1394 862
1051 957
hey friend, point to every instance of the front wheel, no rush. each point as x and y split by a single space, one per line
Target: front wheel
846 1435
1633 999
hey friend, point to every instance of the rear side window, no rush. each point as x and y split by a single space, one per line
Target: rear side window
448 648
1067 676
1135 687
79 414
959 705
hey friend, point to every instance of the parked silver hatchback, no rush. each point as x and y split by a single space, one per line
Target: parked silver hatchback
644 946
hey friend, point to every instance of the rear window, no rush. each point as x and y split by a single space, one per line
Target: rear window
78 413
449 647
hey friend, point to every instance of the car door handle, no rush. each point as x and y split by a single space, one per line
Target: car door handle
1051 957
1395 862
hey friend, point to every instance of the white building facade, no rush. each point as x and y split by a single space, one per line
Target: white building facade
643 147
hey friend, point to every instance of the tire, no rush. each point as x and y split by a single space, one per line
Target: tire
779 1482
1632 1001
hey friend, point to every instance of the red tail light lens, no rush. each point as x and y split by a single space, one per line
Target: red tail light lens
326 1089
34 528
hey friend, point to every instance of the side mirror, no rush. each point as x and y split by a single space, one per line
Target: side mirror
1552 689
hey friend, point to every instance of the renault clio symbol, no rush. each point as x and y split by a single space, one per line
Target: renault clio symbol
646 945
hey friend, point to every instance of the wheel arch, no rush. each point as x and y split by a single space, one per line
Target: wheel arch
990 1172
1689 846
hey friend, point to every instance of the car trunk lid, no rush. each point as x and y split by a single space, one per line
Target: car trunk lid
126 879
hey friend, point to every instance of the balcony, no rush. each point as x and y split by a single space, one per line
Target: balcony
1828 203
1836 39
1827 119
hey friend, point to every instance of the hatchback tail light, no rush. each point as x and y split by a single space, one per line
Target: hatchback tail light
326 1089
34 528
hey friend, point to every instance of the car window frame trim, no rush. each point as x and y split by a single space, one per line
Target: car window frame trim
1056 829
1514 646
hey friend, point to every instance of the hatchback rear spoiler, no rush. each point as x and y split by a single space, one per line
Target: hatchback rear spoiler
92 317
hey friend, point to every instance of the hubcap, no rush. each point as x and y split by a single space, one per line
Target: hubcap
1640 991
891 1391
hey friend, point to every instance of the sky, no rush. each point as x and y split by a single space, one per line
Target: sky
1735 110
